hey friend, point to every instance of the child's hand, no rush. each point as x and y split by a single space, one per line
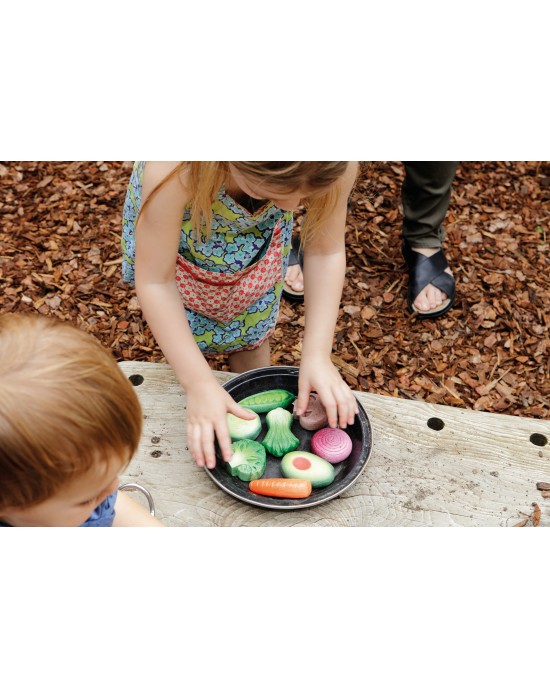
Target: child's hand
320 375
207 408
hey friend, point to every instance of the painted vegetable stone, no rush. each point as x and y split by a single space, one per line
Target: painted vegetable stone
300 464
266 401
240 429
331 444
315 416
279 439
248 461
286 488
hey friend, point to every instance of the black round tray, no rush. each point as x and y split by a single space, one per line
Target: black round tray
345 473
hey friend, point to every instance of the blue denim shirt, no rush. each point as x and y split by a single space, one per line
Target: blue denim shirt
101 517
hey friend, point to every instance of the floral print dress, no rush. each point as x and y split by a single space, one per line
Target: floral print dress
239 238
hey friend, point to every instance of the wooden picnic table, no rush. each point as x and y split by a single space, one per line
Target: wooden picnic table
479 469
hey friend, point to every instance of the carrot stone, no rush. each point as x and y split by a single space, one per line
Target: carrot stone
288 488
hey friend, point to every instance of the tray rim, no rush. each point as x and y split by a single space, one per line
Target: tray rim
298 504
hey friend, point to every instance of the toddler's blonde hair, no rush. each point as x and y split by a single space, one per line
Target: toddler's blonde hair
64 405
206 179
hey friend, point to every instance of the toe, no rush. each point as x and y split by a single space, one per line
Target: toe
434 297
429 298
294 278
421 302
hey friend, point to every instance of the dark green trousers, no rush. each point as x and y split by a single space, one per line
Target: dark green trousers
426 193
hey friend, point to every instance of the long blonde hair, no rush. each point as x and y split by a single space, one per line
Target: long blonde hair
206 178
64 405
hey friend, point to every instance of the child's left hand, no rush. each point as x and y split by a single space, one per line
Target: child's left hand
319 374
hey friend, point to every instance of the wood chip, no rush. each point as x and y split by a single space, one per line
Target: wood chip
44 182
536 514
367 313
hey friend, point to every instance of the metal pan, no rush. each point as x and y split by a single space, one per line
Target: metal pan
346 472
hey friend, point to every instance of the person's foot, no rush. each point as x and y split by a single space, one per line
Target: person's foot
430 297
295 278
293 285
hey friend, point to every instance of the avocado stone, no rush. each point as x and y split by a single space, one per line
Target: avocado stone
302 464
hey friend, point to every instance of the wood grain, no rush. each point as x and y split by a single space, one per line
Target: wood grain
480 469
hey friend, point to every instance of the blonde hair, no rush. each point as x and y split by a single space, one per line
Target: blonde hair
64 405
206 178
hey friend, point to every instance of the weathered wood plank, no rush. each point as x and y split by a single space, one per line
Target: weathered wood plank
480 469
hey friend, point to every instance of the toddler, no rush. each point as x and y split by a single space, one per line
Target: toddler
70 422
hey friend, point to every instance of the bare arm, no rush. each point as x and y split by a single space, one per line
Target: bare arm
129 513
324 274
157 240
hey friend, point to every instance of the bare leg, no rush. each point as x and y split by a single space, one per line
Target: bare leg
242 361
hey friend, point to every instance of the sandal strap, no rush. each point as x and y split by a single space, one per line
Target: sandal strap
295 256
424 270
446 283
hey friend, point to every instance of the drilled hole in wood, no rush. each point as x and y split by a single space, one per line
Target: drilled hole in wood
436 423
538 439
136 379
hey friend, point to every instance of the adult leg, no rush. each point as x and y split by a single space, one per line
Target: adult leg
426 193
242 361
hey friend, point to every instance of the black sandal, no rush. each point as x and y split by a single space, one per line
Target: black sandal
424 270
295 257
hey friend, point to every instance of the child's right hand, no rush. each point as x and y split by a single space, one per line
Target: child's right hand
207 409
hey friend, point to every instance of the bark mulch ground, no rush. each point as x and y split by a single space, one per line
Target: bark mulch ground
60 256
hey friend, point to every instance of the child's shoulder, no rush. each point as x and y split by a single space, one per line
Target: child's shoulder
169 177
154 172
